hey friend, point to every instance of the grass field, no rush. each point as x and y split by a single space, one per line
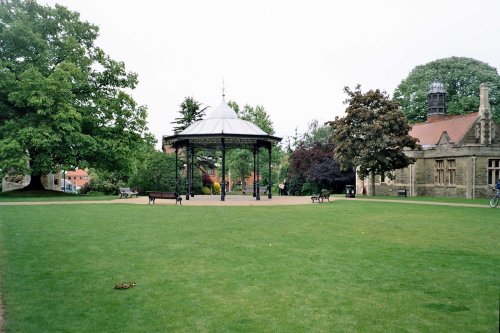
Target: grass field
347 266
45 195
476 201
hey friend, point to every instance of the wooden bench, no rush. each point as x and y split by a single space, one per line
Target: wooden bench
324 194
153 195
249 189
126 192
401 192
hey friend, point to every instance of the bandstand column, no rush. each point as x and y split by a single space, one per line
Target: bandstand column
191 179
269 186
223 183
188 148
257 189
254 172
177 170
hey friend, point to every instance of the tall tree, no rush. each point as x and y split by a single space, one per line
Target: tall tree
156 174
191 111
240 161
259 116
461 78
312 166
372 135
63 101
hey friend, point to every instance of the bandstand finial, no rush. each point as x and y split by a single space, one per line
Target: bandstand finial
223 90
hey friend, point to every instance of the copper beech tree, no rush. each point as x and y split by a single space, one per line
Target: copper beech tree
372 136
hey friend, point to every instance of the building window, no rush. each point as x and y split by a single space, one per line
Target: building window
210 171
493 171
451 170
439 172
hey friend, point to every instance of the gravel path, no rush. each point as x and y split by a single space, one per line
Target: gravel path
236 200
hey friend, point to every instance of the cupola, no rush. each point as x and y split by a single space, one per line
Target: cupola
436 104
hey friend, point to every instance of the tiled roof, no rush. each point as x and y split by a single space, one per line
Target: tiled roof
429 133
76 173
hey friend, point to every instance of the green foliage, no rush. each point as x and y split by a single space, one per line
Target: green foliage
64 102
309 188
461 78
206 191
102 182
240 161
312 166
372 135
258 116
315 134
156 174
191 111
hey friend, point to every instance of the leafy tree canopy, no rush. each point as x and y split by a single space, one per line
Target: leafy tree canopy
240 161
256 115
312 166
461 78
372 135
63 101
156 174
190 111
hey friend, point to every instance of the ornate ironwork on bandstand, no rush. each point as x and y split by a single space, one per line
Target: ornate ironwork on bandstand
222 130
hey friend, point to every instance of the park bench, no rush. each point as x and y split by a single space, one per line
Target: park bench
324 194
401 192
126 192
153 195
249 189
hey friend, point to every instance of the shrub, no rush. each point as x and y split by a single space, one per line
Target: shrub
309 188
206 191
207 181
216 188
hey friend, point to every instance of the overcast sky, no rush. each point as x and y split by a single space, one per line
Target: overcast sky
292 57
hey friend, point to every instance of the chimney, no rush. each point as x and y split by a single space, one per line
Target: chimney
484 103
486 133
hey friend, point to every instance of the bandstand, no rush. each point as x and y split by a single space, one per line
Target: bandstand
221 130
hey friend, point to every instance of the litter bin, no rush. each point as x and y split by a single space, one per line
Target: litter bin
350 191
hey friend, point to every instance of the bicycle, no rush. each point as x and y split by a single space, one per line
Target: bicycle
494 200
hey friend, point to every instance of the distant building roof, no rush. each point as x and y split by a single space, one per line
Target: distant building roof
429 133
76 173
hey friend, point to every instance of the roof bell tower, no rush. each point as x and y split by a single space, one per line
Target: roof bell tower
436 104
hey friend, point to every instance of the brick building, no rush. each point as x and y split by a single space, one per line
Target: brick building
460 154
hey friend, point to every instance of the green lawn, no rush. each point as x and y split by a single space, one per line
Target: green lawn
347 266
45 195
476 201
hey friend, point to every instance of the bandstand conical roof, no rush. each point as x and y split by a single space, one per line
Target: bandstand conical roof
222 122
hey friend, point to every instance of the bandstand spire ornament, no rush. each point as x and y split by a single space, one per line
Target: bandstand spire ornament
223 91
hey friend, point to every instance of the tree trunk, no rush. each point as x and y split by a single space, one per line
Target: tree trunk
35 183
372 183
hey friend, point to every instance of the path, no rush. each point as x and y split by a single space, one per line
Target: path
235 200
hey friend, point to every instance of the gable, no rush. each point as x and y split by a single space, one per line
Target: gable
445 139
